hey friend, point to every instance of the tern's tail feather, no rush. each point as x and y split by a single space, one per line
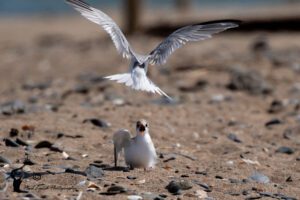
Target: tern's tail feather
142 83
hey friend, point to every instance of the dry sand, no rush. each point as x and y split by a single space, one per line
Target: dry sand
54 68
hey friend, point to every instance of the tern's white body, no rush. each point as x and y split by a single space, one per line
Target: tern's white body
139 152
136 79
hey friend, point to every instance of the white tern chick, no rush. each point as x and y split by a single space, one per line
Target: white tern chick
137 77
139 151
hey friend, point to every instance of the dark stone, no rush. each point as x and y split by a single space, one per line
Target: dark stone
289 179
73 171
286 150
49 145
60 135
115 189
245 180
170 159
94 172
253 197
276 107
98 122
131 177
21 142
13 132
163 196
175 187
126 169
250 81
27 161
204 173
4 160
206 187
81 89
185 176
10 143
266 194
245 192
233 137
218 177
273 122
43 144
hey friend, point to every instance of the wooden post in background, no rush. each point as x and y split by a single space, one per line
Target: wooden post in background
183 5
132 15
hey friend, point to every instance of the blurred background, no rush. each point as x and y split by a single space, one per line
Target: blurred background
236 96
135 11
51 7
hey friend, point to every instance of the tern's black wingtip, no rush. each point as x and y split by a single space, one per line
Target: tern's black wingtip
232 21
79 3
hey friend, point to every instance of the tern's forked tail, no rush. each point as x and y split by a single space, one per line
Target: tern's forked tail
140 83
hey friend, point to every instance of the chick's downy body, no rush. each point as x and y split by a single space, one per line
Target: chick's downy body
139 152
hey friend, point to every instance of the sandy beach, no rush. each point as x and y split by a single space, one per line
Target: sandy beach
233 131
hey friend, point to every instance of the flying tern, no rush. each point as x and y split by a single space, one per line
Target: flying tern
137 78
139 151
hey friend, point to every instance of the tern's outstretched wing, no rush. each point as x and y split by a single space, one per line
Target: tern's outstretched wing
121 139
107 23
186 34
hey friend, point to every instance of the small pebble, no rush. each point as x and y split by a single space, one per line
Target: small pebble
134 197
21 142
94 172
131 177
175 187
234 138
260 178
276 107
204 173
273 122
10 143
115 189
13 132
4 160
218 177
98 122
285 150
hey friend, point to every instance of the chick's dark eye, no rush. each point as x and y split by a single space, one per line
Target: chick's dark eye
146 125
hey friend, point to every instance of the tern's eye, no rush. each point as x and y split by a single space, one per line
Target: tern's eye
146 125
